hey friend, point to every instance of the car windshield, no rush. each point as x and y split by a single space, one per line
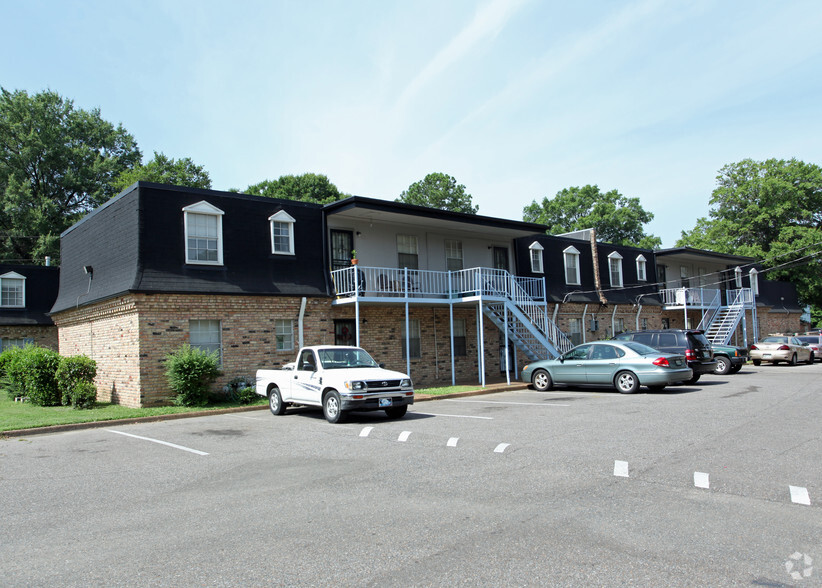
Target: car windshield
775 340
348 357
641 348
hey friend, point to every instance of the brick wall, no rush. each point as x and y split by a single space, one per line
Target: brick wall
41 335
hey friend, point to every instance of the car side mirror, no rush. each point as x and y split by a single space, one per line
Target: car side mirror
382 365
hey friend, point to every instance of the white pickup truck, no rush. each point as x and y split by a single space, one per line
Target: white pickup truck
338 379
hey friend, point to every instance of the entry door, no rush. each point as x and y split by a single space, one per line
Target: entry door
501 258
342 243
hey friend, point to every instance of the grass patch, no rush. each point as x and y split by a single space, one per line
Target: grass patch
24 415
446 390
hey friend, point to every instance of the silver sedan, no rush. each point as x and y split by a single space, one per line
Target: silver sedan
781 348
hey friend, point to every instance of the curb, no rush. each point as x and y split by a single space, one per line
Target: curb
187 415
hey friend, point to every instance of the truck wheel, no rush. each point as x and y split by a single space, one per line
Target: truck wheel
396 412
542 380
723 365
332 407
275 401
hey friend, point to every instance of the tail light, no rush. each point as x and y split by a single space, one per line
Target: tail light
783 348
690 355
661 362
754 347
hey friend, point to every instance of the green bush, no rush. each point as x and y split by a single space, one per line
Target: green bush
33 370
190 372
240 390
83 394
75 377
9 375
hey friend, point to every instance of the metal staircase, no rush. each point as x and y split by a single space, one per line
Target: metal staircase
537 339
724 321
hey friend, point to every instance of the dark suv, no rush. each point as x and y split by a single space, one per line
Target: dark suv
692 344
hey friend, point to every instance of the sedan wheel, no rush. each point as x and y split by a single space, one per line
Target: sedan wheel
793 359
723 365
810 358
542 380
626 382
757 362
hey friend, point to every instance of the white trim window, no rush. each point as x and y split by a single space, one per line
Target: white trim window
204 234
18 342
453 255
570 256
754 277
205 334
536 257
641 272
413 338
460 348
12 290
408 253
282 233
615 269
284 333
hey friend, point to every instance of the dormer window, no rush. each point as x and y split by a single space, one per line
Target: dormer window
536 257
282 233
12 290
204 234
571 257
641 273
615 269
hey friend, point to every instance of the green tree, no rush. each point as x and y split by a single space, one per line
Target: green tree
165 170
57 162
440 191
306 188
616 218
772 211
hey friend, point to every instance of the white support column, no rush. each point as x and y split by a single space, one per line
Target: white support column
407 330
507 363
451 330
481 329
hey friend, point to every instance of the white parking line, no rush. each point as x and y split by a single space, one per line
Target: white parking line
502 447
800 495
366 431
701 480
456 416
452 442
160 442
621 469
498 402
404 436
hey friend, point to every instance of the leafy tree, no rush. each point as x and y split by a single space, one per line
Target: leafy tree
306 188
440 191
57 162
165 170
615 218
770 210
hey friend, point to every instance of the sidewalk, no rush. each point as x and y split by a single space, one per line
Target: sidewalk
489 389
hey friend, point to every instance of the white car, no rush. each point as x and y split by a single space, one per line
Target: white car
774 349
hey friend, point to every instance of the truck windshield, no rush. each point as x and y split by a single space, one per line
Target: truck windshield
345 358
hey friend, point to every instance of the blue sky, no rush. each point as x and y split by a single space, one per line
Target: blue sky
516 99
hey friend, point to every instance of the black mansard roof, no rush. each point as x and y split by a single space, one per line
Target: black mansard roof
41 283
136 243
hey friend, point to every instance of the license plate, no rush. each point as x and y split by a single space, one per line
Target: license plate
766 355
678 362
385 402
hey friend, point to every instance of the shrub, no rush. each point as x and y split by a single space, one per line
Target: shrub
33 370
190 371
10 376
240 390
75 377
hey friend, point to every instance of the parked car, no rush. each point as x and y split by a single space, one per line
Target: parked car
625 365
729 359
781 348
690 343
815 342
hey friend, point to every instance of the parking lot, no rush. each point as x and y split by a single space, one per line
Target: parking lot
714 484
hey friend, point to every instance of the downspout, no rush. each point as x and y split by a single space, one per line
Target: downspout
300 321
584 313
613 320
638 310
597 281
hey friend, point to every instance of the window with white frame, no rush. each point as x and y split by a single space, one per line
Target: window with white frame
641 273
284 333
453 255
615 269
408 253
460 348
738 276
575 330
643 324
12 290
204 234
570 256
754 276
414 338
282 233
16 342
205 334
619 325
536 257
